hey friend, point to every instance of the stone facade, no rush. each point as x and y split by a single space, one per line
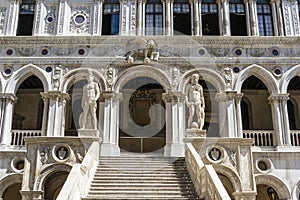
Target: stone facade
250 85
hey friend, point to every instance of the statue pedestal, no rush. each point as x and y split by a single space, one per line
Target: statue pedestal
88 133
195 133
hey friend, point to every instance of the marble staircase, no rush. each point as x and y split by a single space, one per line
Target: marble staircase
141 178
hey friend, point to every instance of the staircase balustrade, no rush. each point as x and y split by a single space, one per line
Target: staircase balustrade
206 181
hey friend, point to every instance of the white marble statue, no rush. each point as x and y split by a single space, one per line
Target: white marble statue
195 103
91 94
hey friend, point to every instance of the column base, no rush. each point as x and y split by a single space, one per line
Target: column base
109 150
174 150
88 133
195 133
245 195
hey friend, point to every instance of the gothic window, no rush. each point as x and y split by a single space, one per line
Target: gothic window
154 17
264 15
210 19
182 17
111 18
238 23
26 18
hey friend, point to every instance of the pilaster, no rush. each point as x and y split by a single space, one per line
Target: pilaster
8 102
175 123
56 113
227 119
97 19
111 102
295 17
63 17
12 18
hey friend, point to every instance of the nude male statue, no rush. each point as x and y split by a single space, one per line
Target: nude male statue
195 102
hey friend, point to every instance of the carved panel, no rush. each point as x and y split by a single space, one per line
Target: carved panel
80 20
2 18
50 20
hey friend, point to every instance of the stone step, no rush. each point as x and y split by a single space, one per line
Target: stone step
139 197
142 181
129 171
143 193
125 189
143 184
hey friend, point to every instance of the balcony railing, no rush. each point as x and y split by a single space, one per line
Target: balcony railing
295 137
263 138
17 136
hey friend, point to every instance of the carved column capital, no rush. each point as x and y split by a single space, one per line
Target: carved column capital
277 98
238 97
109 95
55 95
9 96
226 96
173 97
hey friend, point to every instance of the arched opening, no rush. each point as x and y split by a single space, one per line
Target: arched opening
211 121
227 184
257 116
210 18
28 112
12 192
53 184
26 17
265 192
74 108
292 107
182 17
111 17
238 24
142 116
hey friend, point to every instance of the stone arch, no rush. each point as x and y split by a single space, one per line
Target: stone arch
275 182
23 73
230 174
9 180
287 77
208 75
296 191
143 71
261 73
81 74
48 171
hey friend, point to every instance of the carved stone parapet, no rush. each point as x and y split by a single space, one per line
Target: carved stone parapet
173 97
9 96
277 98
226 96
55 95
109 95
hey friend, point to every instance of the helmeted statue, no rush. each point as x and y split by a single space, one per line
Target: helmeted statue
91 94
195 103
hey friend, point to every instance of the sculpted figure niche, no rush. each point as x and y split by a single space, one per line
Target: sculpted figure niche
91 93
195 103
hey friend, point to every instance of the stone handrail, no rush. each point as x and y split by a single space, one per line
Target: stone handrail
17 136
205 179
80 178
295 137
262 138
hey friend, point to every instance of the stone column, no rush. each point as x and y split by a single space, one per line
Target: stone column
285 117
239 124
175 120
253 18
220 15
12 18
196 5
295 17
168 17
279 18
8 101
274 17
227 123
63 17
276 107
139 21
56 114
45 98
247 12
97 20
109 146
226 18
